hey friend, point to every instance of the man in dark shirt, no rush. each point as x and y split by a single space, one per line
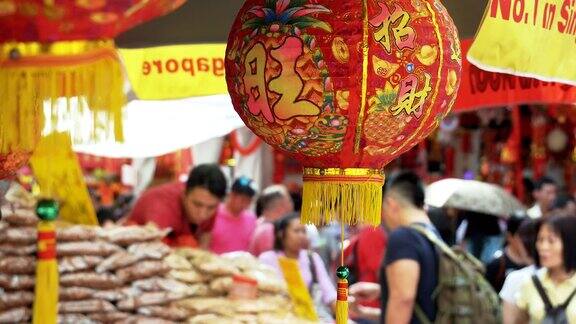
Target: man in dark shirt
409 273
514 257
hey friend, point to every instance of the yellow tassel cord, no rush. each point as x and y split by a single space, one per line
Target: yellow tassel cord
78 85
350 196
46 290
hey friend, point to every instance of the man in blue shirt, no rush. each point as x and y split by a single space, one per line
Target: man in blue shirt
409 273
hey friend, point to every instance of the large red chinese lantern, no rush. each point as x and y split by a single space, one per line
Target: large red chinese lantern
345 86
58 56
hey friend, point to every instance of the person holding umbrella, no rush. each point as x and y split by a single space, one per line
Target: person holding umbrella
480 207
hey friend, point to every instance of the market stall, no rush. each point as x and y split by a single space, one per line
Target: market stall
128 275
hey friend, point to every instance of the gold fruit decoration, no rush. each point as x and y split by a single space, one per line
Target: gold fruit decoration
342 99
384 68
427 55
91 4
451 82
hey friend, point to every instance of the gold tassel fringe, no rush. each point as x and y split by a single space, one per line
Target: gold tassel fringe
342 302
350 196
77 85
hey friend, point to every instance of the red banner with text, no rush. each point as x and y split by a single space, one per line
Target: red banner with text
483 89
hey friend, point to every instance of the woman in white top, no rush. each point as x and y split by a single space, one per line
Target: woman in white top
555 246
528 233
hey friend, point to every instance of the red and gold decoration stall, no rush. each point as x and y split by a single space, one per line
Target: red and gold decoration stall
57 58
344 87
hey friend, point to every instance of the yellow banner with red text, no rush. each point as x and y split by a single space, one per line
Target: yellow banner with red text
531 38
178 71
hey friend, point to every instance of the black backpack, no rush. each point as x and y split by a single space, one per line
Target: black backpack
554 315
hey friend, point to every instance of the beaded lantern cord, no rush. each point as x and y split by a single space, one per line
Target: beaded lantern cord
45 308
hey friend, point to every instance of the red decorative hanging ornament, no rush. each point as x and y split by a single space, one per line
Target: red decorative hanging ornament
244 150
279 166
344 86
227 152
59 56
538 148
12 161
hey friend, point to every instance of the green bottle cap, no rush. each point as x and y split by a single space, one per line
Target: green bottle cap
47 209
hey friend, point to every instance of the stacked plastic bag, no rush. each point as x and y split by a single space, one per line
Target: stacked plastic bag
107 275
214 277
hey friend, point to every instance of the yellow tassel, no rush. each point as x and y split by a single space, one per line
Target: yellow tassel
46 290
58 174
342 302
350 196
38 79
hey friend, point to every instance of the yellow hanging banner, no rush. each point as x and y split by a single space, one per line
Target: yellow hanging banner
59 176
530 38
303 304
178 71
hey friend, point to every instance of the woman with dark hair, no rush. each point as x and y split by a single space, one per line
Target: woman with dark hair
528 233
555 285
289 243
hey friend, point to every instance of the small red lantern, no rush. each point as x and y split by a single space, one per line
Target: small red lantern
345 86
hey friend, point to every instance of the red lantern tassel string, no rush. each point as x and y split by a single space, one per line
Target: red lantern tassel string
45 309
342 292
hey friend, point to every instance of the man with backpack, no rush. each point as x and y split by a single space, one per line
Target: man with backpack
422 280
409 273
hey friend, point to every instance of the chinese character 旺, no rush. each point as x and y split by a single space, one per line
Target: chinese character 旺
289 84
410 100
255 82
395 23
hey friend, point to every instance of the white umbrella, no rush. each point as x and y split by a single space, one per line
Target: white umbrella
473 196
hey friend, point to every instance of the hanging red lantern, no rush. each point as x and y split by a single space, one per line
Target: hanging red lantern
47 21
345 86
59 56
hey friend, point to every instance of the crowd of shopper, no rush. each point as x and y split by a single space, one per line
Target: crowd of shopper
395 269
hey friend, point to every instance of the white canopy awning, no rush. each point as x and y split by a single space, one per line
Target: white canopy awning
153 128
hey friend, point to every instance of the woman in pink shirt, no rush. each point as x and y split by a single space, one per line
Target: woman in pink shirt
235 223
